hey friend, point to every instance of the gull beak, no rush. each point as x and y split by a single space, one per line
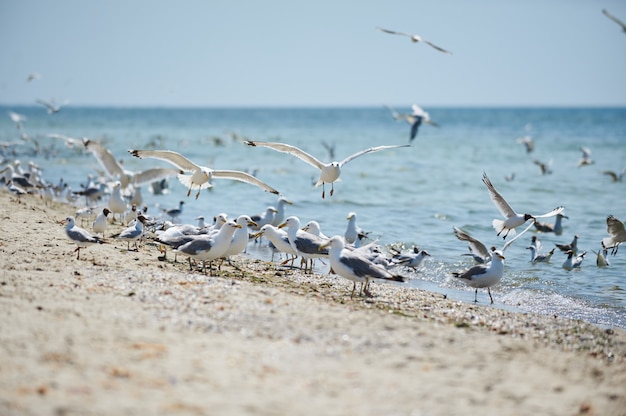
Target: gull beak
284 224
257 235
323 246
252 224
238 226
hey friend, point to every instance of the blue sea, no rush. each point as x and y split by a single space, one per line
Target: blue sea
407 196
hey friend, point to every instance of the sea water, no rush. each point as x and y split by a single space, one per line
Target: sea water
403 197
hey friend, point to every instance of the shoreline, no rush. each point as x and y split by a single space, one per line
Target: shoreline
121 332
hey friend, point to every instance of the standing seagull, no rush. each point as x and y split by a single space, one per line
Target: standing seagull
354 266
199 176
414 38
615 19
512 218
329 171
79 236
484 275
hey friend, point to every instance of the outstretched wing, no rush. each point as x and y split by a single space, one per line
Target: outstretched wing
292 150
393 32
503 206
370 150
476 247
105 158
174 158
243 177
552 213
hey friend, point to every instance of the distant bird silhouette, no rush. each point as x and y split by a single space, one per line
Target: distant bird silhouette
415 38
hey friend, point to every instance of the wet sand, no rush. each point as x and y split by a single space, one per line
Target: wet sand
120 332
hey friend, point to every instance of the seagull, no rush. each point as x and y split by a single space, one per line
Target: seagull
544 167
512 218
116 171
354 266
313 227
210 247
329 171
99 225
555 228
33 76
414 38
413 259
17 118
240 237
535 257
79 236
353 234
573 246
477 249
279 238
484 275
602 258
528 143
615 19
117 204
414 119
174 213
134 232
586 157
266 217
573 262
51 106
305 244
200 176
279 215
617 234
616 177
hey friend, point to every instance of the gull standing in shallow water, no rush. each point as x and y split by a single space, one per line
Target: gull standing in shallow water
79 236
484 275
352 265
512 218
414 38
199 176
329 171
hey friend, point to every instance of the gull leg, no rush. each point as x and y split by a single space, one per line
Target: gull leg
332 189
476 296
198 194
323 190
490 297
189 191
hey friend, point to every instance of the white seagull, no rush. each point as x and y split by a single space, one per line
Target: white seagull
199 176
329 171
415 119
307 245
354 266
484 275
412 259
573 261
415 38
210 247
79 236
617 234
99 225
512 218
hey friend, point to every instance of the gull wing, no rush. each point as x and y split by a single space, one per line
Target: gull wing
154 174
80 235
476 247
475 271
436 47
615 19
242 177
516 237
370 150
393 32
174 158
105 158
552 213
415 126
292 150
503 206
614 226
362 267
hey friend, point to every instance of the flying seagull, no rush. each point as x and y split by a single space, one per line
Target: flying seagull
329 171
414 38
199 176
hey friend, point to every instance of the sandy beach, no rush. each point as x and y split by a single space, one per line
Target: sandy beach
120 332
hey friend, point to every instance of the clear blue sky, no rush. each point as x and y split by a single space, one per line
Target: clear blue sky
312 53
